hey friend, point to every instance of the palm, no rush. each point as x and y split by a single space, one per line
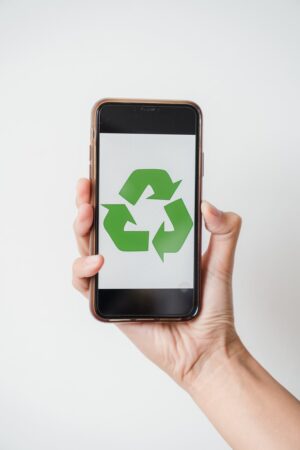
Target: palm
176 347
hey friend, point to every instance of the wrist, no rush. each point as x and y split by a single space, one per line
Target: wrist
238 396
214 365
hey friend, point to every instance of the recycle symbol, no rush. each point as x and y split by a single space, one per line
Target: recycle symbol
138 241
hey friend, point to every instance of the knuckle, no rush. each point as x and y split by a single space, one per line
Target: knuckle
219 272
74 284
236 221
75 266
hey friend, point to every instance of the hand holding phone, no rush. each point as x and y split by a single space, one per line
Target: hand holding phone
178 348
204 355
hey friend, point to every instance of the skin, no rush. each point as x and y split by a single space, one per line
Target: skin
205 356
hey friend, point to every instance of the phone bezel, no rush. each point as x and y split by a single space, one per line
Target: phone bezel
94 144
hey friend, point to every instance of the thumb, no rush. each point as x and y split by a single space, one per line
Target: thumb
224 228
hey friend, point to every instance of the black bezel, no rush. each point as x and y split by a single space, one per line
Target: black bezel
137 310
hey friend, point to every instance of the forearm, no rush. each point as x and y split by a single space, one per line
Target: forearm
245 404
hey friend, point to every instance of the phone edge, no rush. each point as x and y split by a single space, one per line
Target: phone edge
92 177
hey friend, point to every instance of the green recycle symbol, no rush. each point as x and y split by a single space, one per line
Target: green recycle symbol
138 241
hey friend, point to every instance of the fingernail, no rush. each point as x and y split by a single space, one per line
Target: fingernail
93 260
213 210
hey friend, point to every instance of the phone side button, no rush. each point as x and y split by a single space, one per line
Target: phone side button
202 164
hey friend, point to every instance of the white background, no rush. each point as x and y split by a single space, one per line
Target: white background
120 155
68 382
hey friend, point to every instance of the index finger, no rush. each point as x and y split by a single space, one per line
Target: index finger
83 191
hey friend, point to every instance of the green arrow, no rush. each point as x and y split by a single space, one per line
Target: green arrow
172 241
139 179
127 241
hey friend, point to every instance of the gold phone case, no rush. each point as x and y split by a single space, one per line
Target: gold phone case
93 162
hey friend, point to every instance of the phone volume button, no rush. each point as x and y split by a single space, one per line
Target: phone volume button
202 164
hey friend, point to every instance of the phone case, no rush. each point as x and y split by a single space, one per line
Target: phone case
92 174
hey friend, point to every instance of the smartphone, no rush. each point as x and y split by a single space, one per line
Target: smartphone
146 168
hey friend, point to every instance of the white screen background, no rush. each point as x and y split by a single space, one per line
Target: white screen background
120 154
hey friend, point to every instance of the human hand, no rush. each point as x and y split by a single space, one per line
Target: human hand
180 349
205 355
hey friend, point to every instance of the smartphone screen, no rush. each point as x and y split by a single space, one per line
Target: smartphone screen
147 211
